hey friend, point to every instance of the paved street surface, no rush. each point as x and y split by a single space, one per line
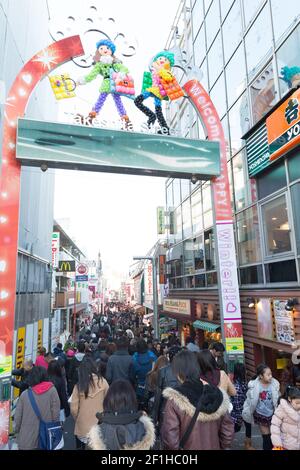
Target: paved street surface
238 443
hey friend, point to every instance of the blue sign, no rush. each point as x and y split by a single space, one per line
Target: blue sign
82 278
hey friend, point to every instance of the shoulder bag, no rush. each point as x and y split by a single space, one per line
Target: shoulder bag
190 427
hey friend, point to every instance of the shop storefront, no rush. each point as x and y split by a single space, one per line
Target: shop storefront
181 311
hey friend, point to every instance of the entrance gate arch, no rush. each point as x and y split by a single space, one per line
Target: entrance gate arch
29 77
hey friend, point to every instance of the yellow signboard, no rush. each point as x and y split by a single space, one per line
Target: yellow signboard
20 353
235 345
63 86
40 334
5 366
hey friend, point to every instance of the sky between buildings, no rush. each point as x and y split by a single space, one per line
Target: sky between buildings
115 214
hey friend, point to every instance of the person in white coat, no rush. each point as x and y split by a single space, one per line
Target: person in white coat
261 402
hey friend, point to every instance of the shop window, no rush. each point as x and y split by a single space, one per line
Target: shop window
210 253
176 192
199 253
288 59
236 75
197 221
188 253
263 94
239 181
179 283
178 224
252 275
185 188
248 236
200 280
284 271
218 96
172 283
276 227
239 123
212 279
258 41
295 194
197 16
232 30
204 71
225 6
294 166
271 180
170 201
199 46
189 282
283 15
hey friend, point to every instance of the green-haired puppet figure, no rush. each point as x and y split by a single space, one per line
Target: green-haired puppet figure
159 84
291 75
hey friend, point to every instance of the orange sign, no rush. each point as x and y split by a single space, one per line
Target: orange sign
283 127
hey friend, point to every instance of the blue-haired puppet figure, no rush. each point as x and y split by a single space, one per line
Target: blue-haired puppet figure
107 66
159 84
291 75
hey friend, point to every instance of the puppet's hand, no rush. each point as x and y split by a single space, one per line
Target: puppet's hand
81 81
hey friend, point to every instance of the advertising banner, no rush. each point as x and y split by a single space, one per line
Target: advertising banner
68 266
20 353
55 249
284 322
183 307
55 329
148 285
40 334
160 216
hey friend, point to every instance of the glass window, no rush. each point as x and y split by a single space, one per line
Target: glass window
197 212
236 75
185 189
179 283
204 71
258 41
199 253
186 219
294 166
271 180
200 47
212 279
212 22
207 4
188 253
263 93
295 194
197 16
288 59
232 31
225 6
239 180
283 15
248 237
250 8
176 192
276 227
189 282
285 271
252 275
239 123
170 202
206 196
215 60
178 225
200 280
226 132
218 96
210 253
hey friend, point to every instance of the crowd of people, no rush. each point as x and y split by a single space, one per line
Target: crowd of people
126 389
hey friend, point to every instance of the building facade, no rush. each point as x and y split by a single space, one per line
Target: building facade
21 37
248 55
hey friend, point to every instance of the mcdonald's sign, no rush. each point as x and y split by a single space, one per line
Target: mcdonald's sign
67 266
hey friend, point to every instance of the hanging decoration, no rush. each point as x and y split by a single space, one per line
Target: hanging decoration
63 86
159 84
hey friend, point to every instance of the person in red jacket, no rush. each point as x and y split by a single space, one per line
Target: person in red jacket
213 429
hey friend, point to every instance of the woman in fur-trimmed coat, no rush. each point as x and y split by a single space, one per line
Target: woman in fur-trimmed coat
121 426
214 428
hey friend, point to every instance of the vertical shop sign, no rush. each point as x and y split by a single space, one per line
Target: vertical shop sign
40 334
284 323
229 296
160 216
55 249
20 353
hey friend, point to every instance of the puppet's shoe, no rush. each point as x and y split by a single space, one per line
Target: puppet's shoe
127 122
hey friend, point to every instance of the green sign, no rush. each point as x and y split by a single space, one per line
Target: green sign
86 148
258 152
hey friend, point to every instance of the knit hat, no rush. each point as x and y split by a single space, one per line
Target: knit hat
288 73
167 55
108 43
70 353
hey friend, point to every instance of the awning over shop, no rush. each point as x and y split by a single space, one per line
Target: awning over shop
206 326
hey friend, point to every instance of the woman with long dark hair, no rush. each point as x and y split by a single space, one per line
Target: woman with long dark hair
196 402
87 399
210 373
121 426
55 376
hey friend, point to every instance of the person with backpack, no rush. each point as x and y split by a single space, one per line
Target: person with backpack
56 377
143 361
261 402
285 424
196 414
72 375
87 400
121 426
26 422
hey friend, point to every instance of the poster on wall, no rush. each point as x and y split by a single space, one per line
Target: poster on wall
284 324
264 316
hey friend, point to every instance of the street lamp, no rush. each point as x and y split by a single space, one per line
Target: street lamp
154 282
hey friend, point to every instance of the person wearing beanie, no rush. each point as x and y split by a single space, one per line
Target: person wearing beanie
112 70
159 84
